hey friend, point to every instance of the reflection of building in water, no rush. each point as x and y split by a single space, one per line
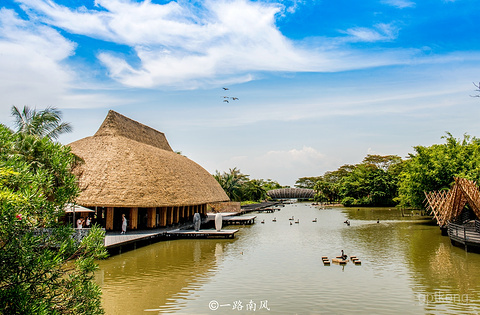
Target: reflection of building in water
154 277
130 169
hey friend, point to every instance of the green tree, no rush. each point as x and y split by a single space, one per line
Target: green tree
307 182
434 168
45 123
232 183
43 269
239 187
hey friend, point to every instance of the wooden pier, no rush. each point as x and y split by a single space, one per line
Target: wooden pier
259 207
243 220
202 233
467 235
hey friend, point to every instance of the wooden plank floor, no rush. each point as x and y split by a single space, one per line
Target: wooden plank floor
244 219
211 233
113 239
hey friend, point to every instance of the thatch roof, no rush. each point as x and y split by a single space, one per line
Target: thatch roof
128 164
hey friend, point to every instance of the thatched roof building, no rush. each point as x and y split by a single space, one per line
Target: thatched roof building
130 165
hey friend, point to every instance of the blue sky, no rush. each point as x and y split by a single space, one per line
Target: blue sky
319 83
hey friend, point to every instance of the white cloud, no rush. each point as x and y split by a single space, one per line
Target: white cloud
285 166
186 46
33 69
380 32
401 4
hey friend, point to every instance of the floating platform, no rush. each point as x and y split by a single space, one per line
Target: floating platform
202 233
243 219
340 261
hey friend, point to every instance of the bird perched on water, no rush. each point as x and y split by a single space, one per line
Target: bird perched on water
315 220
274 220
344 256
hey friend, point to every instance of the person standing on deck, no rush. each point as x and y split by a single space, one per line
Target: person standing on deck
79 223
124 224
87 223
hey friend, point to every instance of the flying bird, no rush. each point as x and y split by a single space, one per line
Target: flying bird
234 98
225 88
226 101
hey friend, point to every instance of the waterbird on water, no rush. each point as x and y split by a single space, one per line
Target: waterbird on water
274 220
292 218
315 220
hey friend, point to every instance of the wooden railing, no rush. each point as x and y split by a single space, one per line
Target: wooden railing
78 234
464 233
477 225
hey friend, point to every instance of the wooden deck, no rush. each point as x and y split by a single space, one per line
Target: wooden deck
202 233
114 239
467 235
243 220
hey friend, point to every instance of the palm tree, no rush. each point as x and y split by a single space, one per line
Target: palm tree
45 123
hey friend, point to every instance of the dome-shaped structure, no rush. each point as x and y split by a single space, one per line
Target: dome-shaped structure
130 165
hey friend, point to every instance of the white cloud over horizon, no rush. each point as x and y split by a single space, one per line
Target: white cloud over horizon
223 41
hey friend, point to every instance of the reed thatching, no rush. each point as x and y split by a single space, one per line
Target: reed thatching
447 206
128 164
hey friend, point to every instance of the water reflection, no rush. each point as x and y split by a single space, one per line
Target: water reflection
153 276
407 268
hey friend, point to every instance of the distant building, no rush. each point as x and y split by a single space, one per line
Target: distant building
130 169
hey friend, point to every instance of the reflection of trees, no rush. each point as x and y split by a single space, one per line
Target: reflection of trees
434 265
149 277
438 264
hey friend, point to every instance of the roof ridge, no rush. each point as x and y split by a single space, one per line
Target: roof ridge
116 124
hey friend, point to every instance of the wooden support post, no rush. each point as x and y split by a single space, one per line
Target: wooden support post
151 217
169 215
163 216
133 219
176 215
182 214
109 219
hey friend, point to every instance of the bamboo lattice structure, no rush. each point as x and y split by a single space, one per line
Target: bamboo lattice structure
447 206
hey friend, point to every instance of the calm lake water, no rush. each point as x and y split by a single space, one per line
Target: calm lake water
276 268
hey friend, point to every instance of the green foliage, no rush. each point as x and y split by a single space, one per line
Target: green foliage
434 168
43 269
374 182
307 182
43 124
239 187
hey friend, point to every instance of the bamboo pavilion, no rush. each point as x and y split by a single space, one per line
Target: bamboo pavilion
130 169
457 212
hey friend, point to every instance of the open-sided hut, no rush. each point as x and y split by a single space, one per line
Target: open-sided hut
460 222
130 169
